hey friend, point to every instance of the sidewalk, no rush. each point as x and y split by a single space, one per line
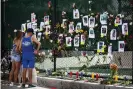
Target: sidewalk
4 85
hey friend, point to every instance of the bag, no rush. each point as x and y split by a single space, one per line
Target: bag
34 76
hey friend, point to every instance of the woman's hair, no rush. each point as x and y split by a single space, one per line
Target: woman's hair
19 35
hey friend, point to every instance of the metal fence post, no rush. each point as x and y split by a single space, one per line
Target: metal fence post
53 27
132 46
119 7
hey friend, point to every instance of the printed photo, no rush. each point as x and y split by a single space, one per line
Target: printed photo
76 14
103 18
125 28
92 22
46 20
85 21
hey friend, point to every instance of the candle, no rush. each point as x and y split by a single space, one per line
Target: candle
65 73
92 75
97 76
116 78
71 74
77 74
81 74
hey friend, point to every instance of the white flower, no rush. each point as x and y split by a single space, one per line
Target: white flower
51 41
122 16
96 25
43 53
90 2
131 23
50 53
15 30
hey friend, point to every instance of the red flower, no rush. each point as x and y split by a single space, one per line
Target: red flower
49 4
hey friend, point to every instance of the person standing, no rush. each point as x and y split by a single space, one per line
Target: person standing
15 58
28 55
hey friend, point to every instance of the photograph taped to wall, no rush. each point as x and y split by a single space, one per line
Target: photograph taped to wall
71 28
121 46
91 22
47 31
76 14
79 26
46 20
118 21
113 35
103 18
42 26
82 40
23 27
64 23
100 46
29 25
76 41
125 28
34 26
68 41
39 35
110 48
91 33
103 31
85 21
33 17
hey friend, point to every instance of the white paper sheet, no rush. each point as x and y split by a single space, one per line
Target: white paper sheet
76 14
39 35
121 46
68 41
71 28
42 26
125 28
82 40
29 25
113 34
46 20
79 26
48 27
119 23
34 26
85 21
33 17
100 46
76 41
103 18
23 27
91 22
91 33
103 31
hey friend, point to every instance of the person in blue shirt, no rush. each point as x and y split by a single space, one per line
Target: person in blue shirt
28 55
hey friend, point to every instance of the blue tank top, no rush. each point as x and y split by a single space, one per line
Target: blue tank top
27 46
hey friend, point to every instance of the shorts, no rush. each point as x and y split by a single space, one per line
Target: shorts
28 61
16 58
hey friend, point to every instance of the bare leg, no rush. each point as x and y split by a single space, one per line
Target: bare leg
17 65
30 75
12 71
24 75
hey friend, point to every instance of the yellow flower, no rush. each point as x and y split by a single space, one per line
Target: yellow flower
81 31
57 25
